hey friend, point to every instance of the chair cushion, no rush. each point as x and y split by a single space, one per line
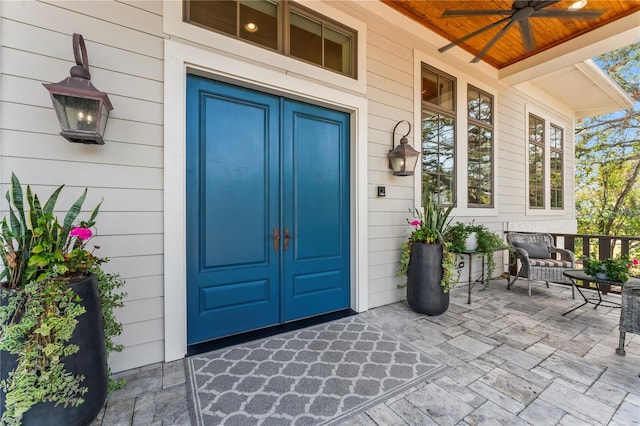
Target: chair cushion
551 263
535 250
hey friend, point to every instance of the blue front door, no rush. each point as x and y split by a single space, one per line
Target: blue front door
267 210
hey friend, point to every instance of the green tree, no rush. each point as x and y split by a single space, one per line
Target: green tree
608 156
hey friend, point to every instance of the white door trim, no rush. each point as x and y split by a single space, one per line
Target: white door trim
179 57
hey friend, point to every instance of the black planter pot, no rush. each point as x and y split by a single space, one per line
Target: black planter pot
424 292
90 361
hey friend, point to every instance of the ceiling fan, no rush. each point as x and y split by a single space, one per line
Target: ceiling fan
520 13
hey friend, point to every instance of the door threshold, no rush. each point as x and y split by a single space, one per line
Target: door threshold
236 339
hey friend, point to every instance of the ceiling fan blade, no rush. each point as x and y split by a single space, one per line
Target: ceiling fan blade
527 35
585 14
478 12
492 42
475 33
537 5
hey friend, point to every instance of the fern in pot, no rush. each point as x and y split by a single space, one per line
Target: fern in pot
56 314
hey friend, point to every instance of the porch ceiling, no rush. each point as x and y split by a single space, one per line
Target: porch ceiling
546 32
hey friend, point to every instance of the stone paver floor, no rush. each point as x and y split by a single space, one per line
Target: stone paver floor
513 360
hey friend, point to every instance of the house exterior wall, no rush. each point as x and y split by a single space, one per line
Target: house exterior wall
139 52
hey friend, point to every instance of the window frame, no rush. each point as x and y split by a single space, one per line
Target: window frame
441 111
486 125
560 152
285 7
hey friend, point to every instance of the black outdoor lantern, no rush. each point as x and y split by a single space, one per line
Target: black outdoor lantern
81 108
402 158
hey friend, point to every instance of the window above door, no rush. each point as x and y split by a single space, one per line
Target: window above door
281 26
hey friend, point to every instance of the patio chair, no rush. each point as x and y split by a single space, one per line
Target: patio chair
538 259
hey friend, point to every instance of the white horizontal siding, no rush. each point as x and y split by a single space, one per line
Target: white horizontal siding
125 48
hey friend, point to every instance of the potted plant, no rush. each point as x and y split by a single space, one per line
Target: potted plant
617 270
484 241
56 314
427 262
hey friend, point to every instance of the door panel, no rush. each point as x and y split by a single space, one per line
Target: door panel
316 204
258 163
233 274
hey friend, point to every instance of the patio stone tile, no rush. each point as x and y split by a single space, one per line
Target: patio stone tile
511 385
518 333
577 404
516 356
499 398
440 405
633 399
447 319
627 414
464 374
167 406
383 415
358 420
139 381
470 345
487 362
526 308
573 370
460 391
484 339
457 352
454 331
411 414
527 375
569 420
540 350
627 381
119 412
173 373
480 328
565 344
490 413
606 393
482 315
540 413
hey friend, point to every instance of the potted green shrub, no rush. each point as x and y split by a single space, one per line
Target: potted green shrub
485 242
56 314
427 262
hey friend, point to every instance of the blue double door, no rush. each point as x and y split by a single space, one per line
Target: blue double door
267 210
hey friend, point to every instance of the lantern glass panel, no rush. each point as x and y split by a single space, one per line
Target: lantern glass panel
104 114
77 113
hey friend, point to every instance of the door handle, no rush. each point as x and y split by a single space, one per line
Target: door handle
276 239
287 237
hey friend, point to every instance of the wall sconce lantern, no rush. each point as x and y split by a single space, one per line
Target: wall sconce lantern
81 108
402 158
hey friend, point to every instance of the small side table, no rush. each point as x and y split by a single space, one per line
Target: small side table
482 279
574 274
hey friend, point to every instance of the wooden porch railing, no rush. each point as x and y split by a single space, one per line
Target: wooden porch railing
603 246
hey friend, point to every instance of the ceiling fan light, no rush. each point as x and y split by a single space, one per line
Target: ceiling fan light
578 5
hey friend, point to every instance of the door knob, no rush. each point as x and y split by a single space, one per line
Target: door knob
286 238
276 239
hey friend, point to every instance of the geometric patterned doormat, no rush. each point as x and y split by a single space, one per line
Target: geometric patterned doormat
314 376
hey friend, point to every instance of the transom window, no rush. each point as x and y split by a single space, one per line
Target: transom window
438 135
556 142
536 161
280 26
479 148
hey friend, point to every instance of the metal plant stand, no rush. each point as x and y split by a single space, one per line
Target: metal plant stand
574 275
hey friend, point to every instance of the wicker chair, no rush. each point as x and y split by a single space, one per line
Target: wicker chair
538 259
630 312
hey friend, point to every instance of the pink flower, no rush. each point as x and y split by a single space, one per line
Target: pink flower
82 233
635 262
416 223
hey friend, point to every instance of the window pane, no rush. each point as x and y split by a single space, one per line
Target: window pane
556 180
305 38
446 93
216 15
473 103
438 155
429 87
337 50
480 167
259 22
536 176
555 139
